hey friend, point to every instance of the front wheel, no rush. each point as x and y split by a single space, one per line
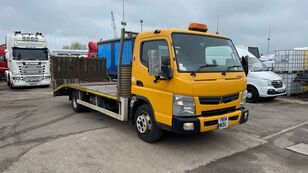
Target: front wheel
145 124
11 84
252 95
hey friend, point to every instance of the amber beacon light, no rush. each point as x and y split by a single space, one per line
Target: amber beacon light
198 27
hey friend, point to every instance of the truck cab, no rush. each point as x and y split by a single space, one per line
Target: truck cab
28 60
261 82
199 83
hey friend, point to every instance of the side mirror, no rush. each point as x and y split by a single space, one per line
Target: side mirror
245 64
154 63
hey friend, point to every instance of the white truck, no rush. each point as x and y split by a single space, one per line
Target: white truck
261 83
28 60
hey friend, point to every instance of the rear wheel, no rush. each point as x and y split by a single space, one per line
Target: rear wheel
76 106
145 124
252 95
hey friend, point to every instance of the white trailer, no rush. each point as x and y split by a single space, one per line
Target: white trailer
28 60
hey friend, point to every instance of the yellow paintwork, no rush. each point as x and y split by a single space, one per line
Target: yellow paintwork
306 60
65 86
203 84
213 127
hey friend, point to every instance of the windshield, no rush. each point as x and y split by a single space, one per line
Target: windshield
30 54
199 53
256 65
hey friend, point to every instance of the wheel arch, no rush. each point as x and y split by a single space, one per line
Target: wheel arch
140 100
253 86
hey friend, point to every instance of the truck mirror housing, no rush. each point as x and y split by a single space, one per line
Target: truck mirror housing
245 64
154 62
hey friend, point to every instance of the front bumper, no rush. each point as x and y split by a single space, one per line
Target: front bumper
203 124
21 82
270 91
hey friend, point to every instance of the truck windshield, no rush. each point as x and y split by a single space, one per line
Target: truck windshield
30 54
256 65
200 53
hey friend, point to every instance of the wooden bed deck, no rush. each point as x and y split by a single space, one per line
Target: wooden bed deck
105 89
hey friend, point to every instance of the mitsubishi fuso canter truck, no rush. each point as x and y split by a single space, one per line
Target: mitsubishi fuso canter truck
184 81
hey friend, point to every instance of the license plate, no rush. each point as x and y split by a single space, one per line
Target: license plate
222 123
33 79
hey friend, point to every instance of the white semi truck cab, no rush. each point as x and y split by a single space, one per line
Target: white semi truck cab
28 60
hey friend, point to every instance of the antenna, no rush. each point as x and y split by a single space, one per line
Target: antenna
268 39
123 23
115 35
141 23
217 24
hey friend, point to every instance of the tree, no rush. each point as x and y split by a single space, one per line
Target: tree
75 46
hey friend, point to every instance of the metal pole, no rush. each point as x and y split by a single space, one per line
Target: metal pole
120 60
123 11
141 22
268 39
217 32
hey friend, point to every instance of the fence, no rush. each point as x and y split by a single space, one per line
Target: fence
77 70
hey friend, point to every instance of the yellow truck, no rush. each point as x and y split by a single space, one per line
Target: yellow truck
184 81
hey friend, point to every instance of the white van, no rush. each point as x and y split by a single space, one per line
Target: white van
260 81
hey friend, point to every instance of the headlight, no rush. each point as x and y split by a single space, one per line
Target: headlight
16 78
267 82
243 99
183 106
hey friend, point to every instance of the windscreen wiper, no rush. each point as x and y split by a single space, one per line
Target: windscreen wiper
193 73
206 65
232 66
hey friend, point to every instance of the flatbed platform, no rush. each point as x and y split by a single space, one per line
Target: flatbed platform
105 89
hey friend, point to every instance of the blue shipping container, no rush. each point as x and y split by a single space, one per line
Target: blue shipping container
111 49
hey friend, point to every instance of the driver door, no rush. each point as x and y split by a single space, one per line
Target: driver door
158 94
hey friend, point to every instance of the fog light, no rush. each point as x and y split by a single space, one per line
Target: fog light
188 126
245 115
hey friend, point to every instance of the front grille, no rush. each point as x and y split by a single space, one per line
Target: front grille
277 83
211 100
218 111
31 69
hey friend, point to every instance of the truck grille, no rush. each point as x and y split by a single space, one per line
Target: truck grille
218 111
211 100
31 69
277 83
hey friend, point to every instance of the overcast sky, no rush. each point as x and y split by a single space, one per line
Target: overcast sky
245 22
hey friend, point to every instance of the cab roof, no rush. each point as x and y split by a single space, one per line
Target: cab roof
185 31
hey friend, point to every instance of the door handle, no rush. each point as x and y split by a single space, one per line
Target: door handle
139 83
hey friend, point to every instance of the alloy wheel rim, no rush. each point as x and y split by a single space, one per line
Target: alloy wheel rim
143 123
249 95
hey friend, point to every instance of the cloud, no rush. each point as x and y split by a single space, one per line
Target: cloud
246 22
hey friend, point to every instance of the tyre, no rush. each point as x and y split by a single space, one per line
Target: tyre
252 95
8 82
145 124
11 85
77 107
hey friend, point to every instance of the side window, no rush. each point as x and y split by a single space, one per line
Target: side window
161 46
